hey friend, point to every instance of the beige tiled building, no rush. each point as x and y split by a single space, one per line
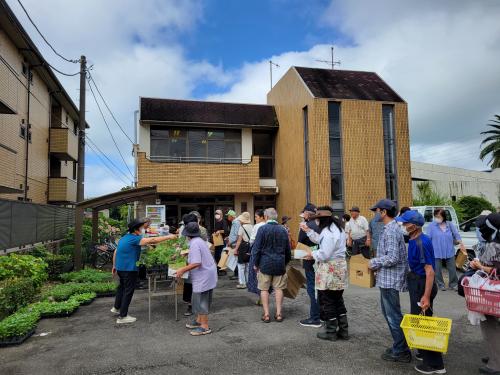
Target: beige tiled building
38 122
330 137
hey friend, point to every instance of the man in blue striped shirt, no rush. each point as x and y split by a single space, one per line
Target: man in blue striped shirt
391 266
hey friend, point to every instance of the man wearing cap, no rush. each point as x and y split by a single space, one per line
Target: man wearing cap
124 264
391 265
421 283
313 320
358 233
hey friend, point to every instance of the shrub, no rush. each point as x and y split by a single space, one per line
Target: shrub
471 206
83 298
15 265
39 251
50 309
86 275
19 324
67 250
14 294
57 264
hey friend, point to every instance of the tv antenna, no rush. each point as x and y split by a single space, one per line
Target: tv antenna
271 71
331 62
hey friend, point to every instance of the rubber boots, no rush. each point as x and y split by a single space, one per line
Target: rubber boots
329 332
343 326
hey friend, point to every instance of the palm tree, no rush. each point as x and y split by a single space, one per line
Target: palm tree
493 147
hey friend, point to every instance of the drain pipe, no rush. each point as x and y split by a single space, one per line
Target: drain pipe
27 137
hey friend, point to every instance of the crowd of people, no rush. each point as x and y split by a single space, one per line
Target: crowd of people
403 257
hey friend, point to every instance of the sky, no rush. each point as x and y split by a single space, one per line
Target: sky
441 56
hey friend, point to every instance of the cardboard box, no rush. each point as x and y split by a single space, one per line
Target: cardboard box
296 280
359 273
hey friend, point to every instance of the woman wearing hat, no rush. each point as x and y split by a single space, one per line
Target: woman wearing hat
203 273
242 248
124 264
488 261
331 273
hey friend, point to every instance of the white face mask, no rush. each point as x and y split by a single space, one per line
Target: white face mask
317 221
143 231
404 230
438 220
217 217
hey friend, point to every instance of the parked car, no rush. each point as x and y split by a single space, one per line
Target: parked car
467 229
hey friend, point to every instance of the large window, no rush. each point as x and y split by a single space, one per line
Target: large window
306 153
196 145
389 151
263 147
337 183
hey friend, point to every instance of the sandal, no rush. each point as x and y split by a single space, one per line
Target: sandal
266 319
278 318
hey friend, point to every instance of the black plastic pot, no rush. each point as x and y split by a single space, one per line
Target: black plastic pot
16 340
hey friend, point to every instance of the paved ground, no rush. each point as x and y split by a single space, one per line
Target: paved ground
89 342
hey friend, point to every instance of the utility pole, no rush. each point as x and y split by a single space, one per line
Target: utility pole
271 71
81 133
81 167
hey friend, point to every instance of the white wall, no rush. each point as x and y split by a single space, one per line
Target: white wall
143 139
458 182
246 145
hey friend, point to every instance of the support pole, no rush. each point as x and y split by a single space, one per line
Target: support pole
78 238
81 133
95 226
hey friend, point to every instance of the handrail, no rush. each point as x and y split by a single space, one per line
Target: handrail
197 159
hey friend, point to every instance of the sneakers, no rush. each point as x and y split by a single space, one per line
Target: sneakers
200 331
390 357
114 311
424 369
189 311
194 324
487 370
419 356
126 319
241 286
310 323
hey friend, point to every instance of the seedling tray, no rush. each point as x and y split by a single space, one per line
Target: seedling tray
16 340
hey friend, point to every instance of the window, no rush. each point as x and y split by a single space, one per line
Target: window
335 142
389 151
22 131
74 170
263 147
306 153
196 145
66 120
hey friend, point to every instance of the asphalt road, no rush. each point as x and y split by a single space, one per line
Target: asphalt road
89 342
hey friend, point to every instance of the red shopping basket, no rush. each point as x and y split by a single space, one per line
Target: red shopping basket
480 300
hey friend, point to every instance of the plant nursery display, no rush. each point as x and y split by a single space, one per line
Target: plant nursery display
87 275
169 253
18 327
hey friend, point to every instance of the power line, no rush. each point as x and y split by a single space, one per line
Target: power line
103 163
109 130
106 104
64 74
43 37
92 143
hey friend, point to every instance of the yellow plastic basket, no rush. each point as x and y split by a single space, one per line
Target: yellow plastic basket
426 332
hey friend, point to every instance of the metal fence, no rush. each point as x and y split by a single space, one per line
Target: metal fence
23 223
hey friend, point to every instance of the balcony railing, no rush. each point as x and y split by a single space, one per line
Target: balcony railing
62 190
192 159
64 144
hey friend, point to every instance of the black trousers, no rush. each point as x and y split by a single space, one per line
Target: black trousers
218 253
416 288
187 292
359 247
331 304
125 291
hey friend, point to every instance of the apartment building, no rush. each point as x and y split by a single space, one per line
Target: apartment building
331 137
38 122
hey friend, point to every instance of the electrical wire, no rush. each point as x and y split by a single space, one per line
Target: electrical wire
92 143
43 37
64 74
103 163
106 104
109 130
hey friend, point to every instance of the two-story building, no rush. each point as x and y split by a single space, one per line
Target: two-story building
38 122
330 137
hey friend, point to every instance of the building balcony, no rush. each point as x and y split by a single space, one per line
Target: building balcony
199 176
62 190
63 144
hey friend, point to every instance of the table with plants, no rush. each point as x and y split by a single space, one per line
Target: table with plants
161 262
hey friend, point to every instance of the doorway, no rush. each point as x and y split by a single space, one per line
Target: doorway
207 213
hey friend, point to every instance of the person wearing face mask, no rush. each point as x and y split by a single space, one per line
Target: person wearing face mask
444 235
391 264
488 261
421 285
220 229
124 264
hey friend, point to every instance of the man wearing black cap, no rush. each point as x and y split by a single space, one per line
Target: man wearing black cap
391 264
313 320
124 264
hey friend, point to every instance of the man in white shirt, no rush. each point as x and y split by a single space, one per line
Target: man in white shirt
358 232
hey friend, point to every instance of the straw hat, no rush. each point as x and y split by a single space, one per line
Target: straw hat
245 218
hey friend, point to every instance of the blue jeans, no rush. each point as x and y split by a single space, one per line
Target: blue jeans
452 272
391 309
311 292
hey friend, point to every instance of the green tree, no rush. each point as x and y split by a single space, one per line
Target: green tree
471 206
427 196
492 143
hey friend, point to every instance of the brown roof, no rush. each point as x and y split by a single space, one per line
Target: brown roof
200 112
347 84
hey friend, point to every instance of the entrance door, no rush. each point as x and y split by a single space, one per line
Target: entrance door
206 212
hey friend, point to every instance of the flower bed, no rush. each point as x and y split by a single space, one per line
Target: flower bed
55 309
18 327
84 299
